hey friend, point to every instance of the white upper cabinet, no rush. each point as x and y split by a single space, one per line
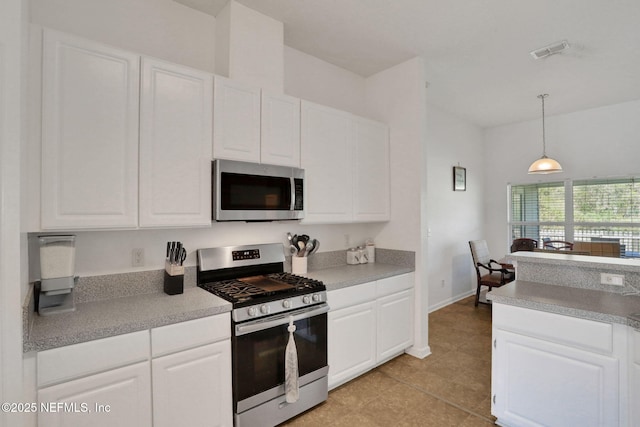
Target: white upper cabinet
280 130
252 126
236 131
371 170
175 145
346 162
326 156
89 134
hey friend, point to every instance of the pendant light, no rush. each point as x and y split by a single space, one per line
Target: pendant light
544 164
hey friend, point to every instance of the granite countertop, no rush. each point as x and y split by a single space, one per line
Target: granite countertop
567 259
112 315
101 319
350 275
584 303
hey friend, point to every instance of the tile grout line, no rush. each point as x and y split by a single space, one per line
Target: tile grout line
421 390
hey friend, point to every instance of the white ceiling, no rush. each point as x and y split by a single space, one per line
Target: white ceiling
477 52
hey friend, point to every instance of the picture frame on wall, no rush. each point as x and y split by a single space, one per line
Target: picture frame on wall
459 178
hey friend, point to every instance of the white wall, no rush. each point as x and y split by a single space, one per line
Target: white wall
148 27
160 28
397 96
454 217
313 79
249 47
600 142
12 16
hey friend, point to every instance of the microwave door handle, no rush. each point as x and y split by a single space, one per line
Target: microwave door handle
261 324
292 186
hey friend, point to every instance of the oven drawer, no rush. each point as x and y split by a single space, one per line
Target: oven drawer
192 333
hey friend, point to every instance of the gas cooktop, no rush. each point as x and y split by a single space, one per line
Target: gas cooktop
262 288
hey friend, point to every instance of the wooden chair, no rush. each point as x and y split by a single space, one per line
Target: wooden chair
493 273
523 244
558 245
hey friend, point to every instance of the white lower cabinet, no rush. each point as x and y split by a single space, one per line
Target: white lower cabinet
352 342
119 397
395 321
108 382
193 387
368 324
103 382
555 370
192 381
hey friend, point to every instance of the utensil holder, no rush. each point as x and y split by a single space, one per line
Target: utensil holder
173 279
299 265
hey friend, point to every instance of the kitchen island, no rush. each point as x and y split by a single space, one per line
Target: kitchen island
565 344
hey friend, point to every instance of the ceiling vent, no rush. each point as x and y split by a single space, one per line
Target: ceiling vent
552 49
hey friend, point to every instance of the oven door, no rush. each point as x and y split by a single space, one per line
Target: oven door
259 354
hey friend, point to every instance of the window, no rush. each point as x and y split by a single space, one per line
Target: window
578 211
538 211
608 211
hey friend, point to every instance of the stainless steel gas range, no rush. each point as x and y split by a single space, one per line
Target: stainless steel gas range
271 309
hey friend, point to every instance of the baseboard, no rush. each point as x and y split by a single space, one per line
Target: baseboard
420 353
451 300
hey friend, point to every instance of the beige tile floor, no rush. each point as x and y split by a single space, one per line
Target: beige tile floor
451 387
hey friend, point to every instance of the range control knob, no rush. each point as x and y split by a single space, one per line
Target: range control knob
253 311
316 297
264 309
306 299
286 303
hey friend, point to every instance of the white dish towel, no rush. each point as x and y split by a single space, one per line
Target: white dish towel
291 366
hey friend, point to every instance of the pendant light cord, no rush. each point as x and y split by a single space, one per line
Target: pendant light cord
544 142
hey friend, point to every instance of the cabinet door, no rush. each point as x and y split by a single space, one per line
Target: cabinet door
193 387
236 121
395 324
371 170
326 156
280 130
89 134
175 145
351 346
539 383
120 397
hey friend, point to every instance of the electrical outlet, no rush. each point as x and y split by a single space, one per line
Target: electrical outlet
347 240
442 284
137 257
612 279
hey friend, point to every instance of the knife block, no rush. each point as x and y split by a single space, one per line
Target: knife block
173 279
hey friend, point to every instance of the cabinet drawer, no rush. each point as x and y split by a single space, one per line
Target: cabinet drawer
392 285
193 333
352 295
573 331
77 360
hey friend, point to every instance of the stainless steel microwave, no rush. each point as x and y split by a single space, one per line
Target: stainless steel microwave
256 192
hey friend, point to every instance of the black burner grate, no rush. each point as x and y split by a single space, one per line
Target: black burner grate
239 292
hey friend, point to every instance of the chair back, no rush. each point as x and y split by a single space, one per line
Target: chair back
524 244
558 245
479 252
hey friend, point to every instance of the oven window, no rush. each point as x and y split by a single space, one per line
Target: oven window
258 357
254 192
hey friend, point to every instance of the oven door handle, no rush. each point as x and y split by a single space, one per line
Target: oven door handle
283 319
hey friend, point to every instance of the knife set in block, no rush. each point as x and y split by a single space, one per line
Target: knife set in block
174 268
173 278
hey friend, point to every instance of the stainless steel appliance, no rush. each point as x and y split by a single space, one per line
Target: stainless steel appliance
266 301
256 192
